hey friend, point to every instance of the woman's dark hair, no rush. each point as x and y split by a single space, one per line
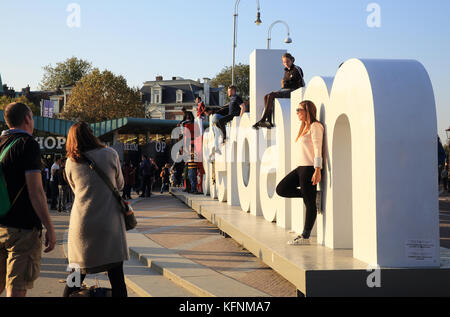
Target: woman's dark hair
81 140
287 55
190 116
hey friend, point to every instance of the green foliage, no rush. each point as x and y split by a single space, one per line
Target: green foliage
65 73
4 101
102 96
242 79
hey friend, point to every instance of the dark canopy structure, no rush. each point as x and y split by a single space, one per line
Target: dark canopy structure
123 126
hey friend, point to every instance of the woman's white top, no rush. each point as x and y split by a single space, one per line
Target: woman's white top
311 146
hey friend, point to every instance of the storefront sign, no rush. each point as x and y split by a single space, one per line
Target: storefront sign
131 147
51 143
160 147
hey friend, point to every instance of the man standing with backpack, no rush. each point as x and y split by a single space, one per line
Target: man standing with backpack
23 208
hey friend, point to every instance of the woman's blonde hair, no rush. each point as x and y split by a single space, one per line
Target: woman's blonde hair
311 117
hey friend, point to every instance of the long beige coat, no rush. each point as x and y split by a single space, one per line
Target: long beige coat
97 234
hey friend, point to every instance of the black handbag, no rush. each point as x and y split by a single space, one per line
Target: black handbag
130 219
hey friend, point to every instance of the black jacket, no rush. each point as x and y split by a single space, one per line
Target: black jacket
293 78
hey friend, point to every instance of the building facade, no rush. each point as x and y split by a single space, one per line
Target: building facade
164 99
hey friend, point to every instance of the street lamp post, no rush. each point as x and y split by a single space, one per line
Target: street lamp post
288 40
235 18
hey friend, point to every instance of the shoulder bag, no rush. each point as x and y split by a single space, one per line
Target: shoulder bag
130 219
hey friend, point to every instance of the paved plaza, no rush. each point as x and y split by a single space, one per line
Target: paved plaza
171 226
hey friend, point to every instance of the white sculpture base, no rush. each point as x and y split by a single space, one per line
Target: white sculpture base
317 270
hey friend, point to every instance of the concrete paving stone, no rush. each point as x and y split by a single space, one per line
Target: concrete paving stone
197 242
299 263
176 225
268 280
176 236
149 283
196 278
188 238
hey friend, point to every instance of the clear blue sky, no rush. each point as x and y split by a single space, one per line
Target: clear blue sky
192 39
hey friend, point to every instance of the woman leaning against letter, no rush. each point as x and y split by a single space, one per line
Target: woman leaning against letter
97 235
302 182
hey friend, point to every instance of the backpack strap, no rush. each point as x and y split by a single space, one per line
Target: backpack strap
7 148
2 157
93 166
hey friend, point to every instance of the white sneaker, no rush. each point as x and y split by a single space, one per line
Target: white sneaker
299 241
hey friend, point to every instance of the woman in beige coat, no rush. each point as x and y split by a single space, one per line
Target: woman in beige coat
97 235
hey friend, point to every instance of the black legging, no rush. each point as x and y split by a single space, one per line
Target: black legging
116 278
289 188
269 101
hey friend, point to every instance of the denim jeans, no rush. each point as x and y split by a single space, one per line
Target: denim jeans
216 130
62 197
192 175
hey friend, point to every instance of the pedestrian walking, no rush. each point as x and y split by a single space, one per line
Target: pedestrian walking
444 177
23 204
442 158
192 174
54 190
129 177
147 172
154 174
165 178
97 237
63 188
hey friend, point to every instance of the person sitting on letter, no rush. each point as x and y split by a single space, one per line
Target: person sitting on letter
293 79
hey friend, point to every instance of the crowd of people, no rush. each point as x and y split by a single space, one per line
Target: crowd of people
443 168
58 192
144 178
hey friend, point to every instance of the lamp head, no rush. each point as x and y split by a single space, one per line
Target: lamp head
288 40
258 18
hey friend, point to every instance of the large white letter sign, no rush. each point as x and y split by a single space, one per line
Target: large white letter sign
231 145
206 151
246 137
274 167
380 112
379 174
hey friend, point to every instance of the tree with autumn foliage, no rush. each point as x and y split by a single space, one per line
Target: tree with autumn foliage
5 100
101 96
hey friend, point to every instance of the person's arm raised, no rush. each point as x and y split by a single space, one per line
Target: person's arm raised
39 203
